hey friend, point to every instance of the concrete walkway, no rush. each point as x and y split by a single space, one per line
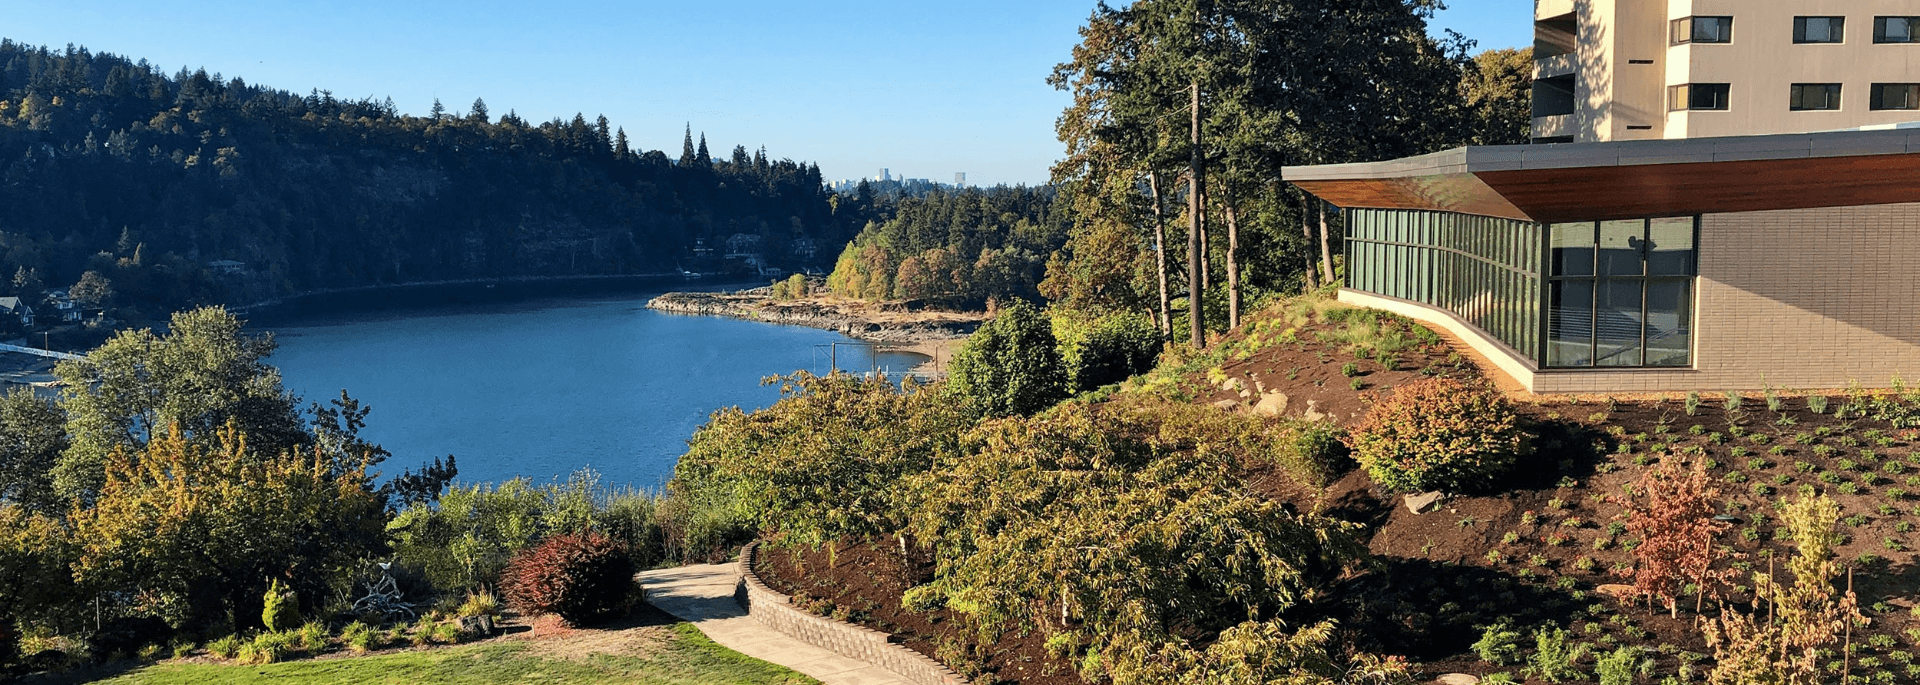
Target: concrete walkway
703 595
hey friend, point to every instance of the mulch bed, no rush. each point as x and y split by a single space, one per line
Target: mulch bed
864 582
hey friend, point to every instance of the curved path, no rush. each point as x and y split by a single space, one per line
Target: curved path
702 594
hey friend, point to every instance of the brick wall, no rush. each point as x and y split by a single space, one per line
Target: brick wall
854 642
1798 299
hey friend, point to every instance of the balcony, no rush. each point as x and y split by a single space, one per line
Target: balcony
1556 66
1549 9
1559 127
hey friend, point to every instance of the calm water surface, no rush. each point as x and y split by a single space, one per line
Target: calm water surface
544 388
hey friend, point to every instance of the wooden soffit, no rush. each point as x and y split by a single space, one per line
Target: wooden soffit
1599 181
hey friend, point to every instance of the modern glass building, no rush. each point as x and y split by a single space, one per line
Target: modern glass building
1708 264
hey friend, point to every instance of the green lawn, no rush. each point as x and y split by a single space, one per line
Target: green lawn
684 657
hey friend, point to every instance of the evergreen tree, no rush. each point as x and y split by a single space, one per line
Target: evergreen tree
478 114
704 159
1010 366
621 146
438 112
686 147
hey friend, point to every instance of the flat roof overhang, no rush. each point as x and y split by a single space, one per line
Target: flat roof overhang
1549 183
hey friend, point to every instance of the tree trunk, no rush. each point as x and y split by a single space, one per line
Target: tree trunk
1306 230
1194 178
1206 245
1233 259
1160 255
1326 246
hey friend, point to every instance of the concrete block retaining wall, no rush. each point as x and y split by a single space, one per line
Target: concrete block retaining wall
776 611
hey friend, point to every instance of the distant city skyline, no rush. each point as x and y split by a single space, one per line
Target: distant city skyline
853 86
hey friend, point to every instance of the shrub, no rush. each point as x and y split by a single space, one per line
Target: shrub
1438 433
1499 645
579 577
226 648
1553 658
359 637
281 610
1620 667
479 604
312 637
1097 351
1011 365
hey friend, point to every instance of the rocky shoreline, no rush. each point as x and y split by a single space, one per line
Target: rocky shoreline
858 321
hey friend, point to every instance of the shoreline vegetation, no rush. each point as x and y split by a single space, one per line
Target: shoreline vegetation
898 327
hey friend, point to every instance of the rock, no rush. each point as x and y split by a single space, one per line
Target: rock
1313 412
1228 405
1423 501
1616 591
1271 404
477 626
1233 385
1259 386
1457 679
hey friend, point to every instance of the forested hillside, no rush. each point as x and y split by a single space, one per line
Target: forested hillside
955 249
110 164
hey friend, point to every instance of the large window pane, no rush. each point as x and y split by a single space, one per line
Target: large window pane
1669 322
1670 247
1617 322
1570 323
1572 249
1620 245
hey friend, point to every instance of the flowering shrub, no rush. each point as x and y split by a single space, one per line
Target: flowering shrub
1438 434
579 577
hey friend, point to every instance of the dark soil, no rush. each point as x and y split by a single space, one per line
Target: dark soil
862 583
1534 549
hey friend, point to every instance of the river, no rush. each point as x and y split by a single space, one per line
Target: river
543 388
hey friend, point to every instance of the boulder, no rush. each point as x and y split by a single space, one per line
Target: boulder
476 626
1617 591
1271 404
1457 679
1228 405
1424 501
1313 412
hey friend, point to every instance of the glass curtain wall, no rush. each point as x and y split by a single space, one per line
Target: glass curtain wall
1485 270
1573 295
1620 293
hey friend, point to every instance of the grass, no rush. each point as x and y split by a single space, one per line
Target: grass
686 657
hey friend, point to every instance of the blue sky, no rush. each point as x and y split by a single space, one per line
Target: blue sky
925 89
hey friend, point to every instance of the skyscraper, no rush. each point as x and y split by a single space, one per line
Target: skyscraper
885 175
959 179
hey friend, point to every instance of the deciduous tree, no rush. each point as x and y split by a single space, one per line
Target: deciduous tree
203 373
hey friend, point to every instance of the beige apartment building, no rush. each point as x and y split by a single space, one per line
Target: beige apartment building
1608 70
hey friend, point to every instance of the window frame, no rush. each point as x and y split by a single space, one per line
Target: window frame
1680 97
1596 279
1881 37
1876 97
1796 97
1836 30
1686 30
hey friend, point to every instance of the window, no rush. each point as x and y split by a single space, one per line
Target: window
1807 97
1620 293
1697 96
1702 30
1895 96
1895 29
1482 269
1819 29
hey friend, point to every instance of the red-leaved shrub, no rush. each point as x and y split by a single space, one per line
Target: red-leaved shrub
581 578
